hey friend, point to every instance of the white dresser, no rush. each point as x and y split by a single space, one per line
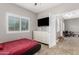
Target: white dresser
41 36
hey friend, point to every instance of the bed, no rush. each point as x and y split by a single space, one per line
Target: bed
22 46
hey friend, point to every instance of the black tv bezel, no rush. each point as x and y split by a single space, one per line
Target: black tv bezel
44 24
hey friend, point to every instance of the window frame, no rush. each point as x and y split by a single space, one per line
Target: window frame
14 15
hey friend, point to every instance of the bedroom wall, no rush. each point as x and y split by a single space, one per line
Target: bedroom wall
4 8
42 15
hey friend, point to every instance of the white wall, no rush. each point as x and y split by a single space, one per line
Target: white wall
72 25
4 36
42 15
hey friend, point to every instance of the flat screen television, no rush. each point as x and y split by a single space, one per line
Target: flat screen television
43 21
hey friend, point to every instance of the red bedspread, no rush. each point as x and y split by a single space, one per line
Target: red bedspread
17 47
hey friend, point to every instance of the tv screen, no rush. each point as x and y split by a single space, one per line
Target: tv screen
43 21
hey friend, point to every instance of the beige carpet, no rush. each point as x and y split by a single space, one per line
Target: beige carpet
70 46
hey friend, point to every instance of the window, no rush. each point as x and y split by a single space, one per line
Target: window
13 23
24 24
17 23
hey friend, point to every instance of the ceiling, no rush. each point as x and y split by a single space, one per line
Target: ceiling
37 8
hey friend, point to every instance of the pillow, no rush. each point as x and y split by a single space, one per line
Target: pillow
1 46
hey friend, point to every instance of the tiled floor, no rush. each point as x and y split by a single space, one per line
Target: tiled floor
70 46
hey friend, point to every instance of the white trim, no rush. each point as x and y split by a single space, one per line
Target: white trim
20 24
11 14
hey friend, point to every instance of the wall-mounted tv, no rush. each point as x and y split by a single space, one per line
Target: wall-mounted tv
43 21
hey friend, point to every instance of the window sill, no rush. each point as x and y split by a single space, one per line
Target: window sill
11 32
